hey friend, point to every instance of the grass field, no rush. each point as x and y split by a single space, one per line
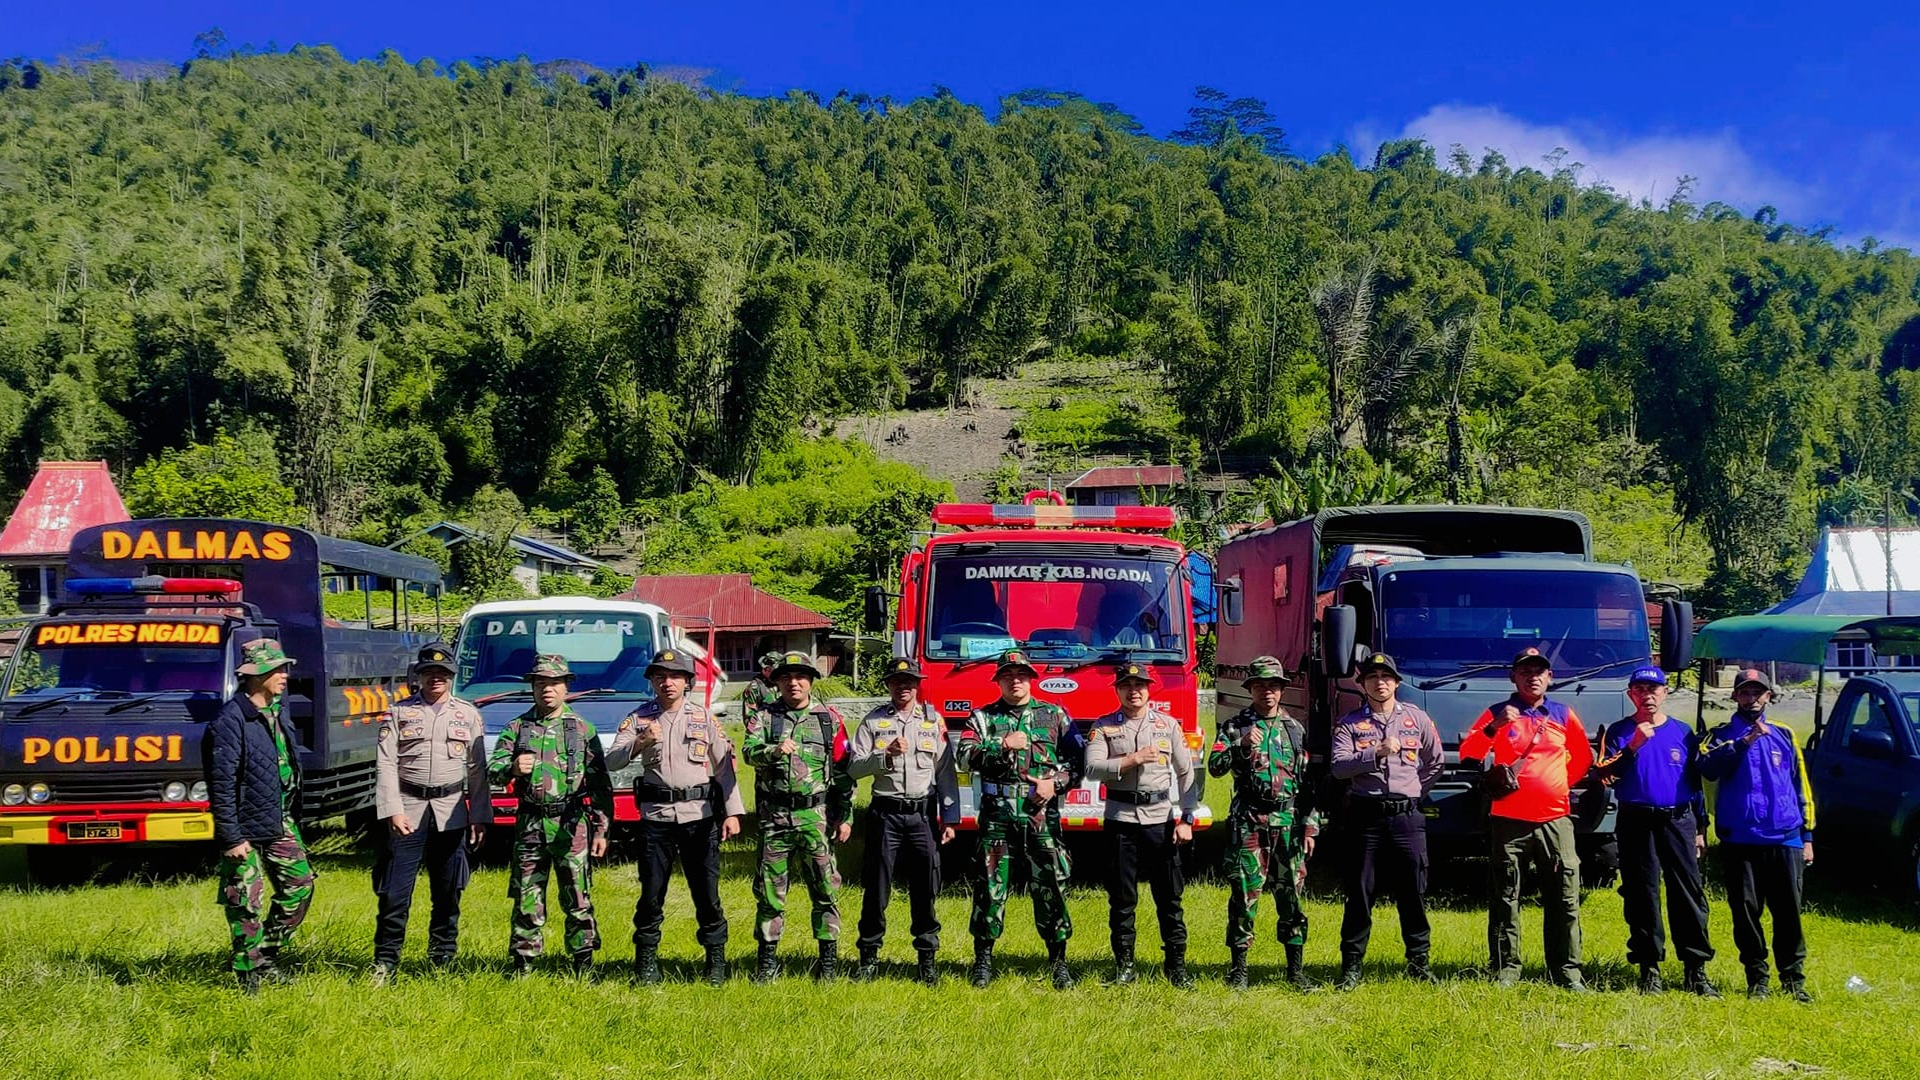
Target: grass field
128 980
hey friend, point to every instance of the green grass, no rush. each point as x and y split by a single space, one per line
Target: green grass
128 980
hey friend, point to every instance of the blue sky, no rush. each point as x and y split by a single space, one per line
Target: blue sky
1812 108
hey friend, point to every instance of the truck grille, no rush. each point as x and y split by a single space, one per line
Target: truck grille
106 790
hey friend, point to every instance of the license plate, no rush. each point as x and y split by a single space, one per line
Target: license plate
93 830
1080 797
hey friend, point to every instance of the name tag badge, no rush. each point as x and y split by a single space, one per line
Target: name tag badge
410 732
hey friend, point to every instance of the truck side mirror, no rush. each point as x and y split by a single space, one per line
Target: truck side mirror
1339 626
1676 635
874 614
1232 605
1877 745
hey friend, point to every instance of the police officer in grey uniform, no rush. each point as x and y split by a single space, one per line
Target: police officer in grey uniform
1141 755
689 801
1390 754
430 791
903 746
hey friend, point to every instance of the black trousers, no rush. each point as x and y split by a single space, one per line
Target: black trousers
1657 845
1387 852
696 846
395 870
899 839
1766 875
1151 847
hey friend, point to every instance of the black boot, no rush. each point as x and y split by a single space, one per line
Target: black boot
1418 971
829 967
869 968
521 967
646 964
1176 968
1349 974
716 965
1296 967
1122 965
1698 983
982 964
1650 980
1057 958
249 982
583 965
768 967
1797 991
1237 971
929 971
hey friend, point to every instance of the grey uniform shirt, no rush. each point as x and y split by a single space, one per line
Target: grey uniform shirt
422 747
1407 774
692 750
927 766
1114 736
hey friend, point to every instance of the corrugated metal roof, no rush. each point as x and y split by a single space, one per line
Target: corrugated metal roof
1849 574
1131 476
64 497
525 545
730 600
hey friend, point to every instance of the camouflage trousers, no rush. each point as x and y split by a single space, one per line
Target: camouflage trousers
556 843
1270 858
260 929
1048 868
800 840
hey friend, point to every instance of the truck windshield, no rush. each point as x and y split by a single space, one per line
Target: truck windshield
1060 606
83 672
607 650
1439 621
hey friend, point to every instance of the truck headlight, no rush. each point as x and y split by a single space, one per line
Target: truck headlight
14 795
174 792
39 793
198 792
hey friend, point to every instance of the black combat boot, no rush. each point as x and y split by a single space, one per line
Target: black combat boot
1057 958
869 967
1349 974
1418 971
1176 968
583 964
1650 980
380 974
1296 967
249 982
768 967
1698 983
521 967
1797 991
982 964
828 969
646 964
716 965
1122 965
929 971
1237 970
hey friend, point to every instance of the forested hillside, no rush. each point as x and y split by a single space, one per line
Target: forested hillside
391 288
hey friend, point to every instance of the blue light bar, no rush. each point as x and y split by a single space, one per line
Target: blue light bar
108 586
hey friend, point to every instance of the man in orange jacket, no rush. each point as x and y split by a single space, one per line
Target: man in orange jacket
1546 747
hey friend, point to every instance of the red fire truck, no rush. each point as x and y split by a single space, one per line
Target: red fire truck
1077 588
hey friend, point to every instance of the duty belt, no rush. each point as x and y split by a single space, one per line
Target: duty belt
1006 791
1656 811
894 804
1385 805
1137 798
791 801
431 793
547 807
657 793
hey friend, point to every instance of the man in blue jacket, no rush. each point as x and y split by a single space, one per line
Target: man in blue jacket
1763 811
253 780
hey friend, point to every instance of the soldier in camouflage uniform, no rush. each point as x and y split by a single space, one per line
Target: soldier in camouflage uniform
803 793
1271 827
760 692
253 784
1026 753
552 755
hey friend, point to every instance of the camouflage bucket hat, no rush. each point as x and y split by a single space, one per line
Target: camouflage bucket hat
263 657
1126 673
796 662
549 666
1015 660
671 662
435 655
769 660
1265 669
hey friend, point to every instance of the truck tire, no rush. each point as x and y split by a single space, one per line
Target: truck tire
1599 860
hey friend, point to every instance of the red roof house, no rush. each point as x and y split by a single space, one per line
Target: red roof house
746 621
63 498
1122 485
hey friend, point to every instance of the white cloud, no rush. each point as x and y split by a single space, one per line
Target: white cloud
1636 166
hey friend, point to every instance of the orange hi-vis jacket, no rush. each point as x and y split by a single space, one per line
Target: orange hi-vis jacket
1559 757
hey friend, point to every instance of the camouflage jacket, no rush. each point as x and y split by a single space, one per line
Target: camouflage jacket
819 766
1266 776
567 762
758 695
1055 748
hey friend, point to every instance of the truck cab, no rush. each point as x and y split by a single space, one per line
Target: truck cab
1864 767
